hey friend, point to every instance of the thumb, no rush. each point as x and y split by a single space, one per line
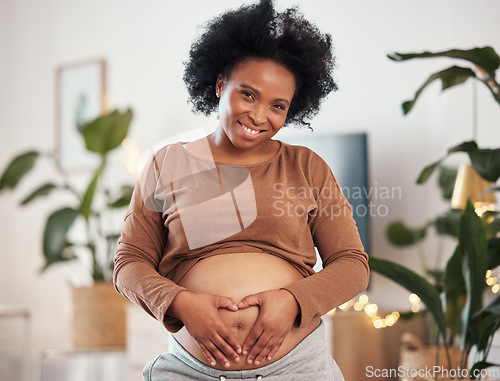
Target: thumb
225 302
250 300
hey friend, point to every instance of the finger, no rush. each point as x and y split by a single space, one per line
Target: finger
232 343
257 348
228 303
222 343
252 338
250 300
266 350
276 347
216 352
207 354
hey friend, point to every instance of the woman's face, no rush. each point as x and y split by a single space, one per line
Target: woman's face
254 102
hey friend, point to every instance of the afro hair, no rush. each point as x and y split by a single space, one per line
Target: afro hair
259 31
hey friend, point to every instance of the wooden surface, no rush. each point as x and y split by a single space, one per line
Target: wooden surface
361 350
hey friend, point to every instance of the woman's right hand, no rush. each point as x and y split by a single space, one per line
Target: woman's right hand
199 313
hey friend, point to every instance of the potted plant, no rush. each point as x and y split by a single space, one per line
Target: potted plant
455 298
93 247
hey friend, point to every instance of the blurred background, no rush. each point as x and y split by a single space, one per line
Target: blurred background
144 44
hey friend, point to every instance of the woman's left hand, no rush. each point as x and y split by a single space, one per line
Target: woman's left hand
278 311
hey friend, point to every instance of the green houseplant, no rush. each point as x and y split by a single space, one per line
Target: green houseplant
92 244
455 296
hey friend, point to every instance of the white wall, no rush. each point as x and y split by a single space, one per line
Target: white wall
145 43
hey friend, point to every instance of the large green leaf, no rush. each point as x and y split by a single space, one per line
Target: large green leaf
55 242
453 277
486 162
446 181
493 253
448 223
474 250
413 283
88 197
427 172
39 192
401 235
106 132
16 169
478 367
485 57
454 290
450 77
123 198
464 147
468 146
484 324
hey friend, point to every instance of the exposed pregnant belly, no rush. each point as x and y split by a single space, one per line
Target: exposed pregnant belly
236 276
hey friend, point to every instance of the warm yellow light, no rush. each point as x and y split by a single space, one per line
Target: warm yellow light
371 308
363 299
491 281
470 186
488 273
414 299
390 319
415 308
358 306
481 208
495 288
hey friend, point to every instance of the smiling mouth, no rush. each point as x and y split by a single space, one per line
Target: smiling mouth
251 131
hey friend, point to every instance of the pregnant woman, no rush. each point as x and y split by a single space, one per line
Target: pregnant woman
220 236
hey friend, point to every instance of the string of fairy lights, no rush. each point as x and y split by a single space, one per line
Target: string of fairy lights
362 304
492 281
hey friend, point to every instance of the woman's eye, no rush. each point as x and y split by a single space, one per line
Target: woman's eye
280 107
247 94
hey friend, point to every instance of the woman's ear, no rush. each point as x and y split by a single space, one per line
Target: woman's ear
219 85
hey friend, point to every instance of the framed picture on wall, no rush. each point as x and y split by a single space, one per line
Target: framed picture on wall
80 98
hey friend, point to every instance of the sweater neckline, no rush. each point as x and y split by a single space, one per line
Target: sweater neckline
278 153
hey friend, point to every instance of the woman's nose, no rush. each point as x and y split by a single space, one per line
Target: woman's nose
258 115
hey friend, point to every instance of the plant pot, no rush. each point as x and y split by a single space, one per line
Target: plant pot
98 316
416 358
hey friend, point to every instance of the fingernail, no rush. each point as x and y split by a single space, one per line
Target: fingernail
238 350
245 352
212 362
226 365
236 359
269 357
249 361
257 362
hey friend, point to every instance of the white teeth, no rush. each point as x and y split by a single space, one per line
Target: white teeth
253 132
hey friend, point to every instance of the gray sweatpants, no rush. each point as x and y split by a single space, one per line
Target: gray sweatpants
309 360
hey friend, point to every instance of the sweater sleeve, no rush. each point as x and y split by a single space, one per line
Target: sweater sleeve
345 270
140 250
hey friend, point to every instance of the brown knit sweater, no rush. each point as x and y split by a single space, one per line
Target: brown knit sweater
185 208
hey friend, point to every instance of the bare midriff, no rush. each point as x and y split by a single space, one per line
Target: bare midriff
236 276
